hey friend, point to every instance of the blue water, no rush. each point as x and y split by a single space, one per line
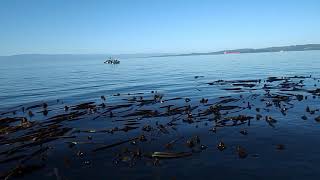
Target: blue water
26 79
77 79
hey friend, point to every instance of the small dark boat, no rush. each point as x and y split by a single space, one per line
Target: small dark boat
112 61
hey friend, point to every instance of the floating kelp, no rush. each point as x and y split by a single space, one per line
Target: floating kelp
223 82
171 143
91 128
228 100
8 120
115 144
270 121
244 132
221 146
241 118
315 92
244 85
196 77
272 79
88 105
232 89
22 170
170 154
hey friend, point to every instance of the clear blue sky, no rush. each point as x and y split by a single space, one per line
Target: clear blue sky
152 26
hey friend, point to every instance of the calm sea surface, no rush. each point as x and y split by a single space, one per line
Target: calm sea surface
25 79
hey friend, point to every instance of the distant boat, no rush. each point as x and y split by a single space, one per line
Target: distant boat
112 61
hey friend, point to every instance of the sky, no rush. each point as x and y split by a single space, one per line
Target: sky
154 26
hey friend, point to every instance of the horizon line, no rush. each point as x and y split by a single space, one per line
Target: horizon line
163 53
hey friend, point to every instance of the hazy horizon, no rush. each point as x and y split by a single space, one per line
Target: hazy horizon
138 54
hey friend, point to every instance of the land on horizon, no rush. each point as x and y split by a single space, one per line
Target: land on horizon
304 47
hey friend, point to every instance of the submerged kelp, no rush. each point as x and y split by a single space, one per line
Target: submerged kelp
147 128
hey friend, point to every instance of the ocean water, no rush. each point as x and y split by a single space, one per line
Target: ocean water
26 79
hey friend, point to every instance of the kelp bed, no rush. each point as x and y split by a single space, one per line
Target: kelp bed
147 129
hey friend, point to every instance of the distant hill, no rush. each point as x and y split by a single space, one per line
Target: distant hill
306 47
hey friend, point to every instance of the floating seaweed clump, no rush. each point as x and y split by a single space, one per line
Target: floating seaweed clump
170 154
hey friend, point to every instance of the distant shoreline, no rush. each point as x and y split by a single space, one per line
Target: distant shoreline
306 47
